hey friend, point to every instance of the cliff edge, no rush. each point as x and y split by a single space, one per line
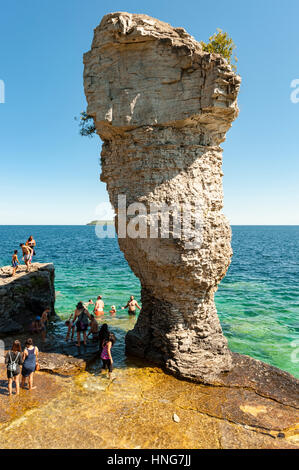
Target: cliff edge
25 295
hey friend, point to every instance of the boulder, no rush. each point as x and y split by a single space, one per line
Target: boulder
24 296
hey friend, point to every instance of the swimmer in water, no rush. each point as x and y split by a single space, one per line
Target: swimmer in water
99 307
112 310
131 305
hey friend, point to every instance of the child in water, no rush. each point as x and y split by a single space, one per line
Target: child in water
14 262
106 353
112 310
94 328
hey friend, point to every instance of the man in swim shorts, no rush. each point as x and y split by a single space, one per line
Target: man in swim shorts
14 262
131 305
27 253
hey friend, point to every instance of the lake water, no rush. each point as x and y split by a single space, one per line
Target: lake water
257 302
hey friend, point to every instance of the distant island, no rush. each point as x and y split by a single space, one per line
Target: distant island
101 222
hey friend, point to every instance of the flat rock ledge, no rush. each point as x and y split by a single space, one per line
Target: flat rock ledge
58 357
25 295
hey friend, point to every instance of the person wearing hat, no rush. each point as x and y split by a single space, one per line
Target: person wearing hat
112 310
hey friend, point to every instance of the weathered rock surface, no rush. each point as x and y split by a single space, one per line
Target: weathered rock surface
162 106
137 410
11 408
24 296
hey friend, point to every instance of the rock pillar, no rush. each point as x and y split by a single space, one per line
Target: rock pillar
162 107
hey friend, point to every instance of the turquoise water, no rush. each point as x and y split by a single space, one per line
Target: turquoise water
257 301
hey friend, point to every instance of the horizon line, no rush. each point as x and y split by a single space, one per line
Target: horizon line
93 225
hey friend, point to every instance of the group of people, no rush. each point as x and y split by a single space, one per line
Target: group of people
81 319
16 359
28 251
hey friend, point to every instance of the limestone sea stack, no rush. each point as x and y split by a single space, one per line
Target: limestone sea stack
162 107
24 296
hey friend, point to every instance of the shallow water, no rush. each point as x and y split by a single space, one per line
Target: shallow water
257 301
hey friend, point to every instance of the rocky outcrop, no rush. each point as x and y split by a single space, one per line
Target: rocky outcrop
162 107
24 296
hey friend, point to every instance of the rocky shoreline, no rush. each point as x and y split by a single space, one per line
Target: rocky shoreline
256 403
25 295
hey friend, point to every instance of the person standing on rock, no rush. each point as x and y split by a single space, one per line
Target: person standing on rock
70 327
32 244
106 353
81 318
27 251
14 262
30 357
13 361
44 323
94 328
131 305
103 334
99 307
36 326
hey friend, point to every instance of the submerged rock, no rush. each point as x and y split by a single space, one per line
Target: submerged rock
162 107
24 296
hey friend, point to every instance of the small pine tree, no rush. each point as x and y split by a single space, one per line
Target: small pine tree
221 43
86 124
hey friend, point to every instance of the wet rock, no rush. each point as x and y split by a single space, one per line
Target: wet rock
24 296
11 408
264 379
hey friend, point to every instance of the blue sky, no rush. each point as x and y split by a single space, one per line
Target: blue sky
50 175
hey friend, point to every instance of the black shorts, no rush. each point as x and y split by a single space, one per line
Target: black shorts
11 374
81 327
107 364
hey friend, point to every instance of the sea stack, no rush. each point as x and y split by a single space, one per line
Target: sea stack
162 107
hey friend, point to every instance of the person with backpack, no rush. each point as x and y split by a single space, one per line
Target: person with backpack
81 320
106 353
13 361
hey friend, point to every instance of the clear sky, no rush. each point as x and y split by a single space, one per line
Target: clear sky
50 175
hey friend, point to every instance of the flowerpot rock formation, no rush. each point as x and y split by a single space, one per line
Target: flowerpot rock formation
162 107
